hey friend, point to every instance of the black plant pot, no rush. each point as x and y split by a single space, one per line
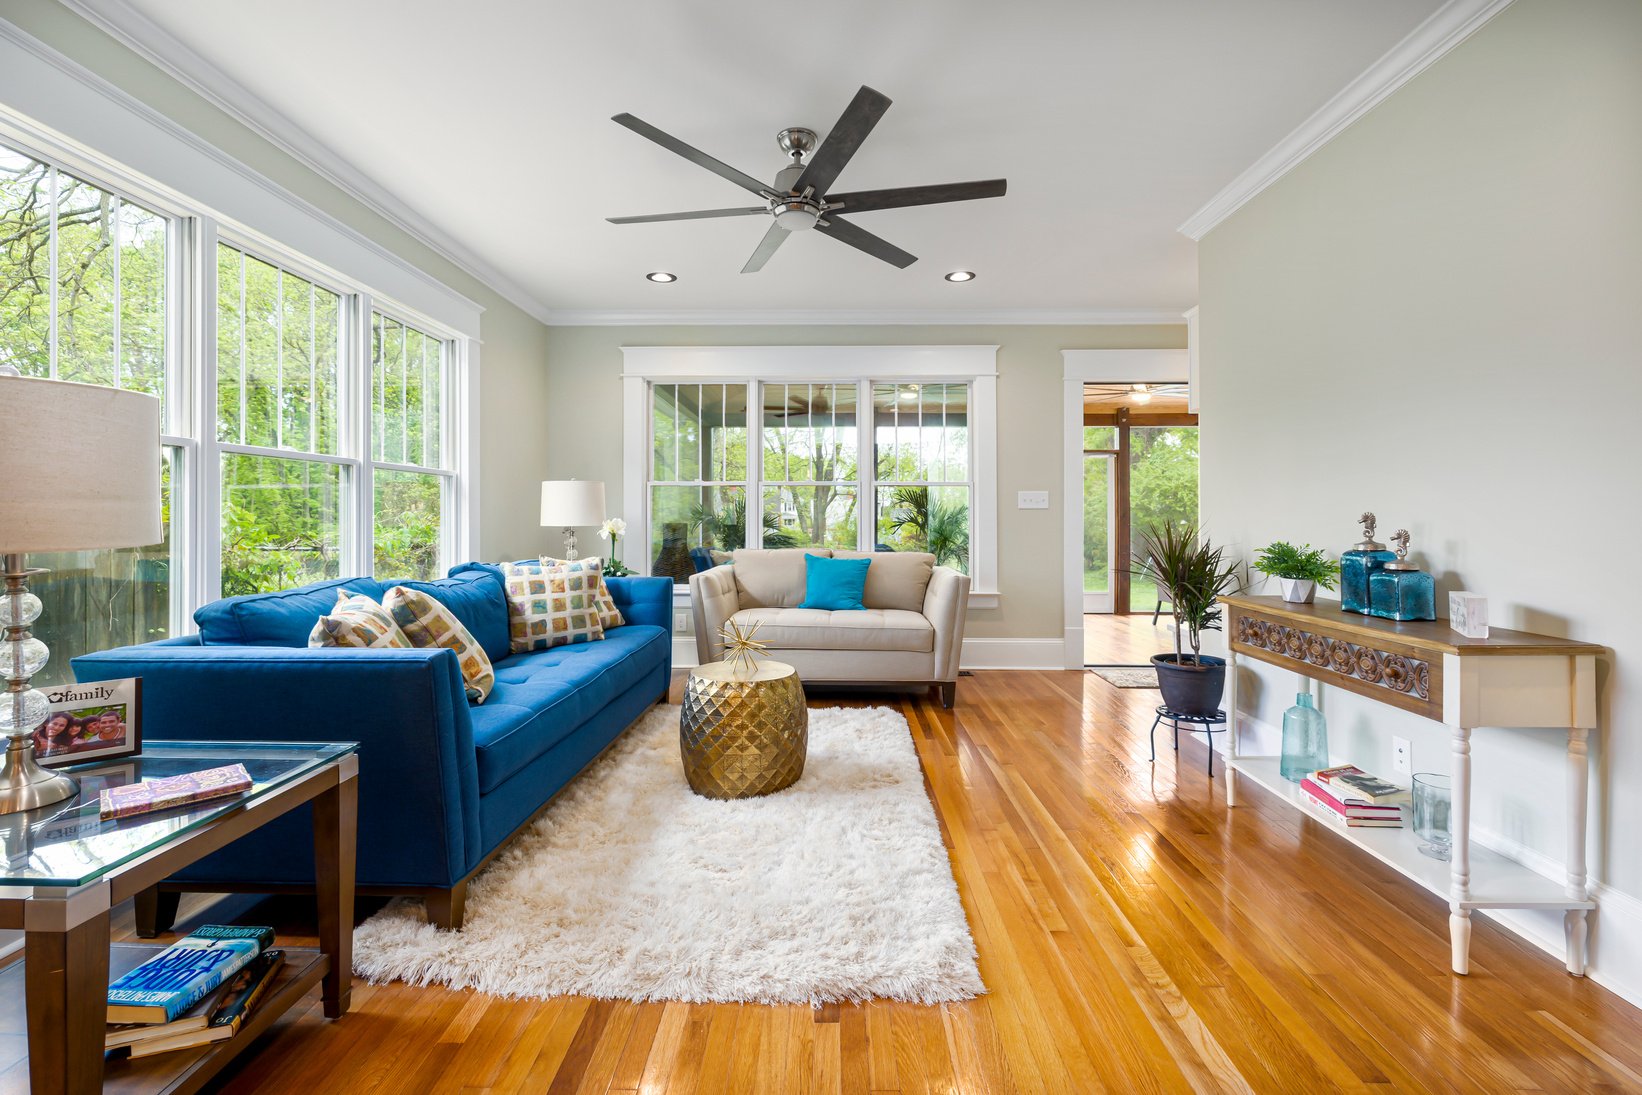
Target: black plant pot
1191 689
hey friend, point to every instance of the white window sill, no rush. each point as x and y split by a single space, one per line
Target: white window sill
977 598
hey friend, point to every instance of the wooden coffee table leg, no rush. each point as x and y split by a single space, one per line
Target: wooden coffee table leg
336 815
65 975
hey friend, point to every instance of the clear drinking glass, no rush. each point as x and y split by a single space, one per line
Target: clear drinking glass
1433 803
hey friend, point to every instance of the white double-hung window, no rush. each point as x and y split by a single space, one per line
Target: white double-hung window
849 448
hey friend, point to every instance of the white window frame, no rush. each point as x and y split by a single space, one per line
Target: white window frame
59 112
975 366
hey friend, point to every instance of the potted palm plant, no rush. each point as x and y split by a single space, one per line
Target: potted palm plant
1298 570
1192 574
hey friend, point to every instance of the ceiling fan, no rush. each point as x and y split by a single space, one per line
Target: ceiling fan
801 197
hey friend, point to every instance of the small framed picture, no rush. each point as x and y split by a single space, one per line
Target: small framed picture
95 721
1468 614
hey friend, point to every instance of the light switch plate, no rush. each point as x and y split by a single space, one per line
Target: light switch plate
1402 756
1032 499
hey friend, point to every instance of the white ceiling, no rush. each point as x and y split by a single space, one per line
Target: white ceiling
1112 120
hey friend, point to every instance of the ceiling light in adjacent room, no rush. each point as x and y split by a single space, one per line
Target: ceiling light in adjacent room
661 277
961 275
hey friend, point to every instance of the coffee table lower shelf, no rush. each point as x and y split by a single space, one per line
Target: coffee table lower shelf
176 1073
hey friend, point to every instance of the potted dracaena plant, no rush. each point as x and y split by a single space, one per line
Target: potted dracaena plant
1192 574
1298 570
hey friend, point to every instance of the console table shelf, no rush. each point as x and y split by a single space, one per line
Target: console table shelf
1510 680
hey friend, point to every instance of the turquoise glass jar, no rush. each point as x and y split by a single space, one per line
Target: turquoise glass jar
1305 737
1359 564
1400 590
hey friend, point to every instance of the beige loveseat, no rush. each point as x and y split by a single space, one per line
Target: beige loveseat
910 633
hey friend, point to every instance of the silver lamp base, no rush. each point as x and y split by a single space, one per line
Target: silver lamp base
24 785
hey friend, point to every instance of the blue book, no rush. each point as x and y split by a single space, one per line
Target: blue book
177 978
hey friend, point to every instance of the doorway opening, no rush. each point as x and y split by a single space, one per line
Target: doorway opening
1140 470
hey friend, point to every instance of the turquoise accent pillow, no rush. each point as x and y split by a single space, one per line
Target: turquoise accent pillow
834 584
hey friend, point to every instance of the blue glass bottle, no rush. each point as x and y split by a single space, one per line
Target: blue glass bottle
1358 564
1400 590
1305 737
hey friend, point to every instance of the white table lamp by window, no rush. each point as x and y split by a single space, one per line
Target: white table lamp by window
82 472
572 504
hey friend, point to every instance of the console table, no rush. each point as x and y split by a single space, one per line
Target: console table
65 868
1510 680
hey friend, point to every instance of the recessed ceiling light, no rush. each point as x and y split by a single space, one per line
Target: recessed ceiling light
661 277
1143 394
961 275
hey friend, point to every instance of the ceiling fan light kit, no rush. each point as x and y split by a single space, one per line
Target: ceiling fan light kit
800 198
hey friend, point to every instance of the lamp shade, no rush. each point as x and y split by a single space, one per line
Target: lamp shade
81 466
572 503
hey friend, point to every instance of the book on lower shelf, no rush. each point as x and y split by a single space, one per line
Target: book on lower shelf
232 1004
1350 781
164 989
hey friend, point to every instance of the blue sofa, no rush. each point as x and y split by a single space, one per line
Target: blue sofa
443 783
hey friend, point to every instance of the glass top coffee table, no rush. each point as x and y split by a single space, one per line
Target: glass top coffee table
65 868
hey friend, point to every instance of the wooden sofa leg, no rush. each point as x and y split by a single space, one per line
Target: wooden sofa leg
446 908
949 694
156 911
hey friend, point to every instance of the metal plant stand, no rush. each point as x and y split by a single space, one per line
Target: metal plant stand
1196 724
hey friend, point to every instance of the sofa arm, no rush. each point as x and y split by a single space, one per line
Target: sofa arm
713 600
946 606
644 600
418 773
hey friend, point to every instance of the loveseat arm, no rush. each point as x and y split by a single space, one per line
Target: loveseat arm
946 607
713 600
418 773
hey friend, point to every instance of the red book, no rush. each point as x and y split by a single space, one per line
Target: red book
169 791
1323 796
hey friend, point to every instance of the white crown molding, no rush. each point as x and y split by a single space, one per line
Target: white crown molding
1446 28
1138 317
123 123
170 55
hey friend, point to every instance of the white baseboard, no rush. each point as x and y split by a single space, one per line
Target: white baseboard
1013 654
977 653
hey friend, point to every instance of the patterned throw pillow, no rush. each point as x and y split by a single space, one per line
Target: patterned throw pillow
427 623
552 606
609 614
357 621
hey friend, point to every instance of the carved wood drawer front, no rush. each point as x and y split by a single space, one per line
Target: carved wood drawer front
1388 671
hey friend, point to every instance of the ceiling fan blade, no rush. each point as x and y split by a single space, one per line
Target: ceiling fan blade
863 201
694 155
697 215
843 139
773 238
861 239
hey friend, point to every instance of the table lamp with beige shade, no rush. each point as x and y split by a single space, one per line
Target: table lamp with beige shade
571 504
83 472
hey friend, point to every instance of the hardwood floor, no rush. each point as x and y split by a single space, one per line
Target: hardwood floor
1110 639
1135 936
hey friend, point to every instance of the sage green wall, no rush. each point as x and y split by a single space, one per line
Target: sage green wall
513 447
584 425
1435 317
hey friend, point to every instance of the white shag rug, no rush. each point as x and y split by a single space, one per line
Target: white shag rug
632 887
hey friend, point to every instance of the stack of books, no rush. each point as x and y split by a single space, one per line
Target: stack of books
197 991
1349 796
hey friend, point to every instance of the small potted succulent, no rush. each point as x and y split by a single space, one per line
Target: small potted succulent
1192 574
1298 570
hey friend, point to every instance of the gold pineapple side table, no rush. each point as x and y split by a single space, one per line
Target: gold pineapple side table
743 735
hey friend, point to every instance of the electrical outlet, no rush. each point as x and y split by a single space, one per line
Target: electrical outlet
1402 756
681 623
